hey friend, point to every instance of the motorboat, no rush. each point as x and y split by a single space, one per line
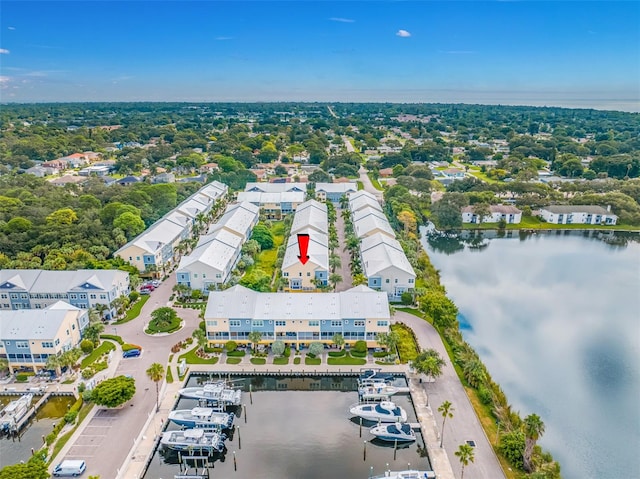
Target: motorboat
384 411
202 417
194 440
376 390
14 411
396 431
375 374
408 474
217 393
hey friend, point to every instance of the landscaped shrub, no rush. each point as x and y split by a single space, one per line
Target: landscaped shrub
296 360
82 387
337 354
484 394
316 348
230 346
128 346
236 354
358 354
359 347
380 354
70 417
133 296
22 377
287 352
112 337
87 346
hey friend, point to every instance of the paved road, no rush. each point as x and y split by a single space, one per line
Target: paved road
368 186
110 434
347 144
464 425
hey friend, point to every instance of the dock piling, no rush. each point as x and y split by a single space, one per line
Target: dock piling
235 464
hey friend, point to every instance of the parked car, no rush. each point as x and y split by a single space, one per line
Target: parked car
155 283
69 467
131 353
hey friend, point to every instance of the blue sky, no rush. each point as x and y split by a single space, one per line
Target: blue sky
564 53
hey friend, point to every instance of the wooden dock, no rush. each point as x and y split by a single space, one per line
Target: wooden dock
33 411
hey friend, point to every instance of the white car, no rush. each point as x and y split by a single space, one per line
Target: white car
69 467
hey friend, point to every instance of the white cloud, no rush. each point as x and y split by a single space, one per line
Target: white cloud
403 33
11 28
4 50
342 20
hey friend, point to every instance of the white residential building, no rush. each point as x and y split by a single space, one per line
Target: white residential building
274 204
362 199
334 191
578 214
310 215
371 224
386 266
510 214
275 187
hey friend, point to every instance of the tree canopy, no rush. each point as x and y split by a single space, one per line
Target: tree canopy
114 392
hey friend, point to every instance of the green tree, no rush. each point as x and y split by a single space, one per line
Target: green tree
201 338
512 447
18 225
446 216
263 236
481 210
316 348
533 429
62 217
34 468
429 362
92 332
155 372
255 337
131 224
465 454
334 262
441 309
163 317
334 279
338 340
114 392
359 279
278 347
446 409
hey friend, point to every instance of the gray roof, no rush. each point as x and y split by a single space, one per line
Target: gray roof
382 257
318 250
337 187
37 324
589 209
239 217
363 201
379 238
370 223
276 187
502 209
239 302
310 217
368 210
272 197
214 254
45 281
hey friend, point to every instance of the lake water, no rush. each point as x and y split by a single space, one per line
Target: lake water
300 427
16 449
556 319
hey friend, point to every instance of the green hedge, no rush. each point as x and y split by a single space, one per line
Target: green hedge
258 361
73 410
282 360
112 337
337 354
97 353
234 360
296 360
130 346
358 354
309 361
236 354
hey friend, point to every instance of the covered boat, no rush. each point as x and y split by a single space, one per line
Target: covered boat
408 474
385 411
397 431
376 390
202 417
194 439
14 411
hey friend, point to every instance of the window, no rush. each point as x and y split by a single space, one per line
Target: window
336 324
5 305
383 323
137 258
57 341
308 273
286 274
218 275
47 344
83 296
358 323
257 323
73 296
131 259
281 323
3 296
204 275
387 280
22 344
24 296
93 296
410 280
38 306
234 323
314 323
195 275
212 323
103 296
73 326
14 295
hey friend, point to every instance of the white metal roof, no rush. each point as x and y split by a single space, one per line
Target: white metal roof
272 197
379 238
360 202
369 210
37 324
382 257
318 250
276 187
239 302
239 217
310 217
370 223
337 187
46 281
214 254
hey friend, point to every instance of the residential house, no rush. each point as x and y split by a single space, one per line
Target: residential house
28 337
386 266
386 172
508 213
60 164
372 224
368 211
275 187
298 319
68 180
129 180
453 173
163 178
315 271
578 214
334 191
362 199
41 171
209 168
239 218
95 170
274 205
85 289
310 215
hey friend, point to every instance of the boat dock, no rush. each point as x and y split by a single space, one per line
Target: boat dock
35 408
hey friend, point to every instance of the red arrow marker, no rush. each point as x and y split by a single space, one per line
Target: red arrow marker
303 244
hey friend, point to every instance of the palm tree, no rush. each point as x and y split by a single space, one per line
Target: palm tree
465 454
255 337
359 279
344 202
53 363
201 338
446 410
334 262
429 362
334 279
156 374
533 429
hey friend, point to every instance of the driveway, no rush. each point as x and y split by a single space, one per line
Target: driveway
108 437
464 426
368 186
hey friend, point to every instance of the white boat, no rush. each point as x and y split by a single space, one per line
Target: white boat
408 474
216 392
194 440
14 411
396 431
376 390
385 411
375 374
202 417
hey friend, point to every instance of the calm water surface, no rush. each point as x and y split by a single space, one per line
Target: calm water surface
300 428
556 319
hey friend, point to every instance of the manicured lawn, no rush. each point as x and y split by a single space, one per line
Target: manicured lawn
258 361
312 361
534 223
282 360
153 327
234 360
191 358
97 353
169 375
481 176
360 185
134 311
407 347
296 360
347 360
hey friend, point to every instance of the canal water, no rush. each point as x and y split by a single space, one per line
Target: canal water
299 427
16 449
556 319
